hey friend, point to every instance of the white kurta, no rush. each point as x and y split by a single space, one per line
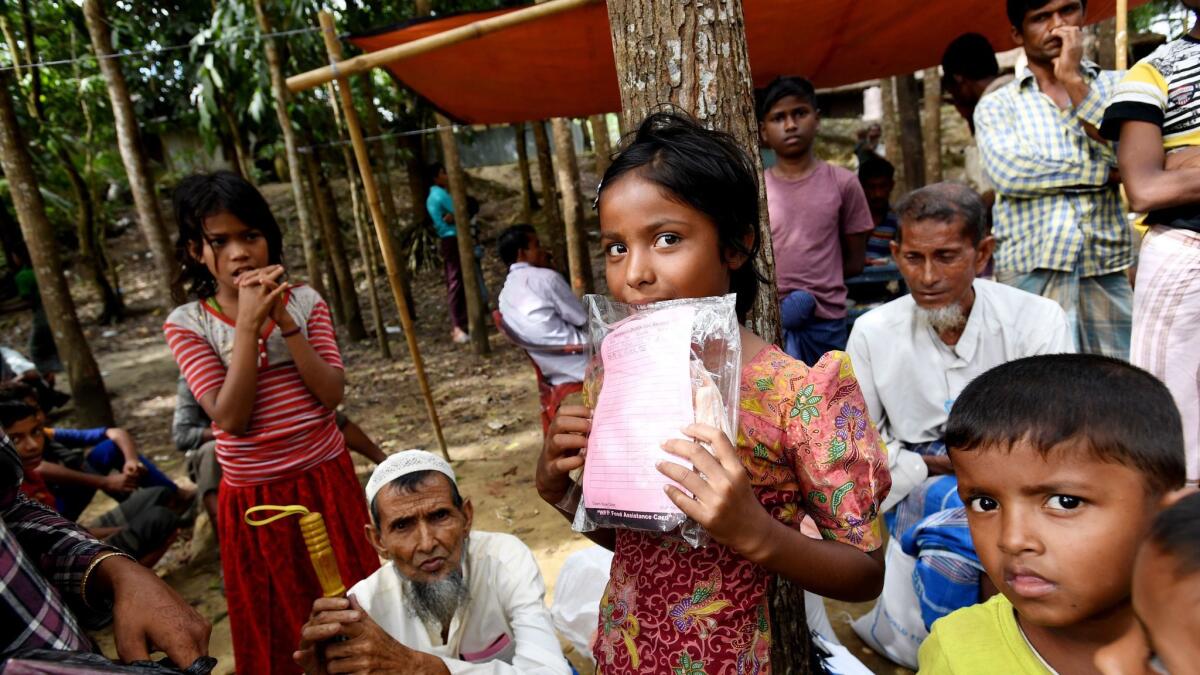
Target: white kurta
540 308
504 629
910 378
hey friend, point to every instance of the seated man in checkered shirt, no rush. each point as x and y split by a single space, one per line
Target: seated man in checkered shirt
58 578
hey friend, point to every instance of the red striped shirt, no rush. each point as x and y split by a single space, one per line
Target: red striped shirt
290 430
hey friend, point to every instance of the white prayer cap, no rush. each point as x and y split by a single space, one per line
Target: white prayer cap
404 463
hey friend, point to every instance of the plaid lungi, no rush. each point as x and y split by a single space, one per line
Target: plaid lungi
1099 308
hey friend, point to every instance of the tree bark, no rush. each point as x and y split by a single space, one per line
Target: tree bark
335 248
387 198
602 144
87 386
466 243
891 132
295 171
527 194
707 73
567 173
112 307
931 125
908 105
551 231
586 133
241 154
133 155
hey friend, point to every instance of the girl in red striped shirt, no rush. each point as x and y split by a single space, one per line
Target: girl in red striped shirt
261 357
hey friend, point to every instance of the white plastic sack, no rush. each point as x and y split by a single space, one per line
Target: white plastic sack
576 607
894 627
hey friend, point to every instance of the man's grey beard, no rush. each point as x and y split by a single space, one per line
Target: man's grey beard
946 318
438 600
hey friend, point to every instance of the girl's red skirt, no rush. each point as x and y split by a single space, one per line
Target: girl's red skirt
269 582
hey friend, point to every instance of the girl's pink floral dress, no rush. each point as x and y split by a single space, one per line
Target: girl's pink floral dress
806 440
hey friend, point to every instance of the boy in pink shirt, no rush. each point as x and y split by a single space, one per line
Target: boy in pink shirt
820 222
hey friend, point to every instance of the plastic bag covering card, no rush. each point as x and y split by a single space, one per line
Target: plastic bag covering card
646 399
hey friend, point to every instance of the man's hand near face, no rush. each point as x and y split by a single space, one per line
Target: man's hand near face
366 648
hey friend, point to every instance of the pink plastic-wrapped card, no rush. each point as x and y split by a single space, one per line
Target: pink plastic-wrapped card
654 370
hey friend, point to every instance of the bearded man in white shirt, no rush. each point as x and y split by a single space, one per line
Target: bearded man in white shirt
448 600
539 306
914 355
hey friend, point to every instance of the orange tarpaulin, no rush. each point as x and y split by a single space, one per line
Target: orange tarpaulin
562 65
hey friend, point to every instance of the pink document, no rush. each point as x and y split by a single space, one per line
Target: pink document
645 399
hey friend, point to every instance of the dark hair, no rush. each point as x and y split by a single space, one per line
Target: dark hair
16 390
780 88
1017 9
432 170
971 57
514 240
201 196
944 203
875 166
1176 532
1120 413
12 412
409 482
706 170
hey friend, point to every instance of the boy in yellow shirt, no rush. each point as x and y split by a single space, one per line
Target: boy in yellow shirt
1063 461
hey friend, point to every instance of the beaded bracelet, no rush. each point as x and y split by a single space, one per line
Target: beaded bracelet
88 573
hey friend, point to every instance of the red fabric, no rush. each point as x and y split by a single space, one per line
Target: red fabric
34 487
562 65
269 583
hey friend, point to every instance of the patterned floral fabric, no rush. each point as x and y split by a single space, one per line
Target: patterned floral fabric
809 447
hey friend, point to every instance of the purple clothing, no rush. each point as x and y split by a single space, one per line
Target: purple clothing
809 216
456 296
42 561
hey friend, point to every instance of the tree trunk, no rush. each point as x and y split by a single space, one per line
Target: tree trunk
466 243
707 73
708 76
36 109
133 155
112 307
335 248
241 154
551 231
585 133
87 386
908 105
931 125
891 132
366 249
602 144
418 182
295 170
387 198
567 173
527 195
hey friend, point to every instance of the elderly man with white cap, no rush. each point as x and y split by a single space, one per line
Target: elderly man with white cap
451 601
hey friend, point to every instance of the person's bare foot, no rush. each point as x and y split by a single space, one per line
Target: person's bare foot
459 335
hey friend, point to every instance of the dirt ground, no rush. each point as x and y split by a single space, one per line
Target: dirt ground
488 406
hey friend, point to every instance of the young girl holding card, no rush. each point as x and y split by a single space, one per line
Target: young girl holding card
679 219
261 358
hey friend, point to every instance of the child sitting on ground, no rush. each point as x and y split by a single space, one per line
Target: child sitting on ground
78 462
1063 461
142 525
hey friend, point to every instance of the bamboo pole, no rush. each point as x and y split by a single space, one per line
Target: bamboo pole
471 31
1122 34
385 241
365 245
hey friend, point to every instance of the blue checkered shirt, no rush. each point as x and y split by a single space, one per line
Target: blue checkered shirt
1054 208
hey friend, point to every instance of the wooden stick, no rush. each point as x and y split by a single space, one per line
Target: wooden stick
471 31
385 241
1122 34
